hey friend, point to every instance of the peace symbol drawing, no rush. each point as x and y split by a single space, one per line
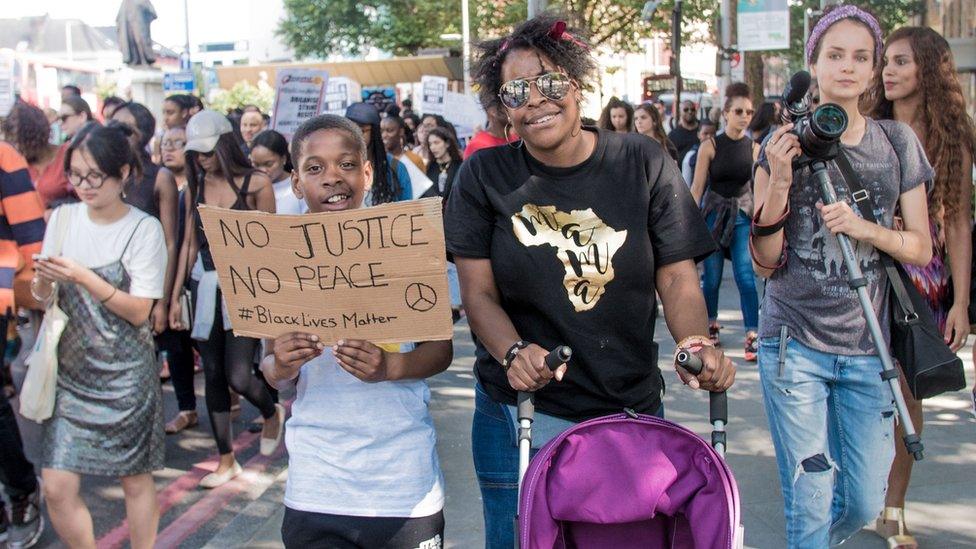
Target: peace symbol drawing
420 297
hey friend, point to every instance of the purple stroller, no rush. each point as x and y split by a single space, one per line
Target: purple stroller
627 480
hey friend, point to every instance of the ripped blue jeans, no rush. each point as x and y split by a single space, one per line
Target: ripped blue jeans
832 422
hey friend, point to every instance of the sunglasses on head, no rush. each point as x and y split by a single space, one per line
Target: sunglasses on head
516 93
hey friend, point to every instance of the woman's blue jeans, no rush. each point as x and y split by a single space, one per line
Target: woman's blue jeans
831 418
495 450
745 278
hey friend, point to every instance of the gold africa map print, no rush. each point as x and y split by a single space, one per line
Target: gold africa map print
583 243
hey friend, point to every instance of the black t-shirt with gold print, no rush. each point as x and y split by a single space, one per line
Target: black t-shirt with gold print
574 252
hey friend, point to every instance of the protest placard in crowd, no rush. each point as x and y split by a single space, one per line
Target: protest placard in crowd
299 94
377 274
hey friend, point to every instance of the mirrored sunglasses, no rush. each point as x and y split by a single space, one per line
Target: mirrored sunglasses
515 93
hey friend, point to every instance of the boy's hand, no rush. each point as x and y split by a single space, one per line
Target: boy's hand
363 360
291 352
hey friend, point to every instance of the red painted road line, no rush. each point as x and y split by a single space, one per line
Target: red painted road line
207 508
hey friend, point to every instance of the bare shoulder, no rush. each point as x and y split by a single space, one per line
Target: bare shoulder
259 181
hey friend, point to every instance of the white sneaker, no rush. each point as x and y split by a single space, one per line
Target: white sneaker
215 479
269 445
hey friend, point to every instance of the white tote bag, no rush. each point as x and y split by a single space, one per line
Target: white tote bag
37 394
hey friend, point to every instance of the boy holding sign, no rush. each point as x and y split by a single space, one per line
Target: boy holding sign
363 468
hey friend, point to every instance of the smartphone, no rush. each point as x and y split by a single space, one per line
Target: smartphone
41 257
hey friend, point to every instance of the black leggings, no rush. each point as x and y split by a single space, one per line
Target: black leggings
227 364
179 352
305 530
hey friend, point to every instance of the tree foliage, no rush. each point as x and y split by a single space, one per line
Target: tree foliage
319 28
241 94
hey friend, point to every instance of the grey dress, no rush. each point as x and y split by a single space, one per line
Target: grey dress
107 416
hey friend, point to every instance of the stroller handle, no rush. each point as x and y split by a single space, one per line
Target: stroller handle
718 404
556 358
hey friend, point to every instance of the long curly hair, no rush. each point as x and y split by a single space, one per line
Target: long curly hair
615 103
949 131
26 127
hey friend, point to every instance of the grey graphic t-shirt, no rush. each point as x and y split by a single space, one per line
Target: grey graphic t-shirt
810 294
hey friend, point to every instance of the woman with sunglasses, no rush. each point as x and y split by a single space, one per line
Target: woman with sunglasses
106 261
724 168
562 238
75 113
218 174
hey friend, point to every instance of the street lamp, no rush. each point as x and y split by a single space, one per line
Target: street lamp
465 38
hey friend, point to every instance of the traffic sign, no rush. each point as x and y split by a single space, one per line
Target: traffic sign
178 82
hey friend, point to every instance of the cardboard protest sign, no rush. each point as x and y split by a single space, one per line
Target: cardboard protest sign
298 96
378 274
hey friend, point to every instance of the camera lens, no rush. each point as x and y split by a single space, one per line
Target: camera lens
829 122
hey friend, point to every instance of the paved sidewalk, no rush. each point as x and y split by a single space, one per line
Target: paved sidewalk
942 496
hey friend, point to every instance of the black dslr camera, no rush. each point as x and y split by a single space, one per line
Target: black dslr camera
819 131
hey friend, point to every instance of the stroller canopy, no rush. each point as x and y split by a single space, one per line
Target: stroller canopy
619 482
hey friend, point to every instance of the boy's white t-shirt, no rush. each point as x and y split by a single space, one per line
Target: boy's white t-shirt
361 449
285 200
94 245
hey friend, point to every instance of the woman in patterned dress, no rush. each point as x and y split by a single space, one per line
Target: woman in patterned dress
106 263
917 84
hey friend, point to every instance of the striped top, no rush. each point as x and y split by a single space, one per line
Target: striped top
21 223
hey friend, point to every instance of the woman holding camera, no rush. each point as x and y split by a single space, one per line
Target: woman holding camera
917 84
831 415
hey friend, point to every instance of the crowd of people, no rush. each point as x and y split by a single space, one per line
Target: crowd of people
100 219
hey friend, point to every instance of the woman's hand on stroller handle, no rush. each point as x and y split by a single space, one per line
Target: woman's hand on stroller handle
529 371
717 370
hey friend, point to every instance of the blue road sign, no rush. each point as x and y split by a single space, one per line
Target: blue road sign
178 82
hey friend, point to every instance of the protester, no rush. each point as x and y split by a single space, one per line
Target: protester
830 413
176 110
391 181
180 367
218 174
917 84
22 230
647 121
75 113
109 104
513 212
685 133
412 122
725 164
445 161
171 145
269 153
70 90
427 123
107 263
252 123
362 466
494 134
706 131
617 116
395 138
763 123
156 194
27 129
